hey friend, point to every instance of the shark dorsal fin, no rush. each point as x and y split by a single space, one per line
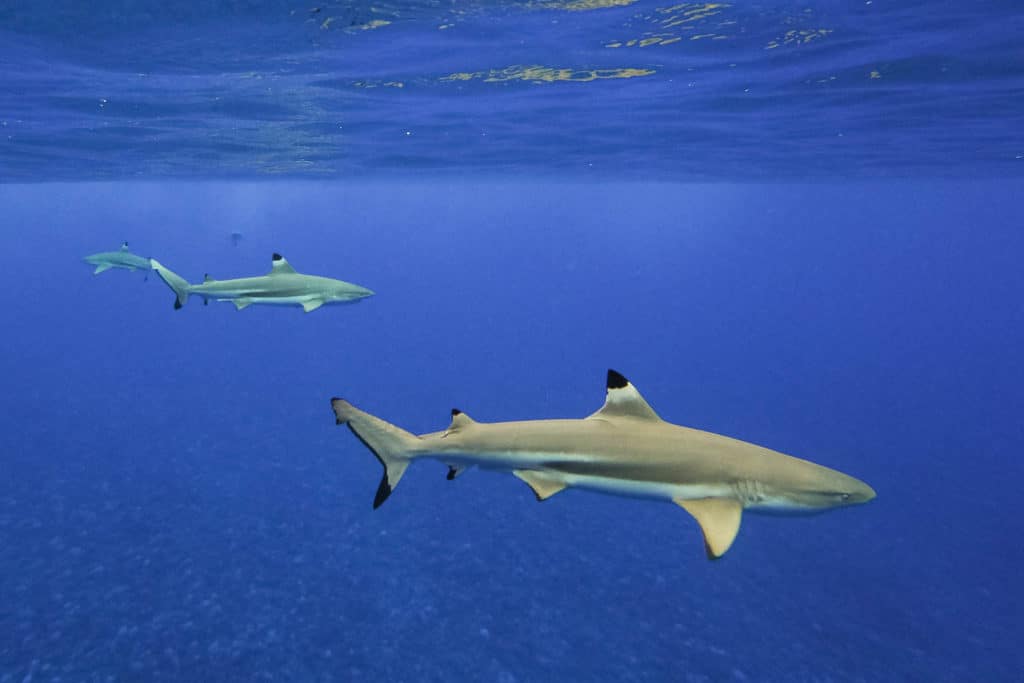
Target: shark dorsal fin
459 420
207 278
278 266
623 400
124 246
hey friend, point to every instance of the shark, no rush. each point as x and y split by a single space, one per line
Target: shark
625 448
122 258
282 286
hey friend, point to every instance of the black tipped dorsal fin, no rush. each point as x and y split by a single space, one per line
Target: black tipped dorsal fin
278 266
459 420
623 400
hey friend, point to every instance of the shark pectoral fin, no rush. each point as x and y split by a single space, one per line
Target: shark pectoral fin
309 306
241 303
543 486
719 519
100 268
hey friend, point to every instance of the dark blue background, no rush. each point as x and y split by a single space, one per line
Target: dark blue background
176 502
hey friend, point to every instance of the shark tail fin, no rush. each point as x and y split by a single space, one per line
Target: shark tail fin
174 281
392 445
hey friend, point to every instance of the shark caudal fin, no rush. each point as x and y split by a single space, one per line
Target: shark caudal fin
392 445
177 283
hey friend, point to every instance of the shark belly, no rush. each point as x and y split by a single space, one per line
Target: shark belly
251 296
783 507
277 300
540 462
632 488
499 461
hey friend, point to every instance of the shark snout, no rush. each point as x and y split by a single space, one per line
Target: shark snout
349 294
859 492
357 293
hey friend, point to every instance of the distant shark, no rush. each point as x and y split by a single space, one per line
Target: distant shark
624 448
283 286
122 258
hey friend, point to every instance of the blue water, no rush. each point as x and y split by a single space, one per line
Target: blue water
826 266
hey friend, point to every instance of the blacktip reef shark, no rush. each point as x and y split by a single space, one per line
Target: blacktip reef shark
122 258
624 448
282 286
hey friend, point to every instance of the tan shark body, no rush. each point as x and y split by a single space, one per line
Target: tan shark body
624 448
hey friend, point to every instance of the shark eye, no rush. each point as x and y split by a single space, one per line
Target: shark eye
844 496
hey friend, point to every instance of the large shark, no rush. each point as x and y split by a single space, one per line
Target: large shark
624 448
283 286
122 258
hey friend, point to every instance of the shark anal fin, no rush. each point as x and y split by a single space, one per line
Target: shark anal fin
100 268
719 519
543 486
241 303
623 400
310 306
456 470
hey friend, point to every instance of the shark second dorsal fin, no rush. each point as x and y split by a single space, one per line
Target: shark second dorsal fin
278 266
207 278
719 519
459 420
124 246
623 400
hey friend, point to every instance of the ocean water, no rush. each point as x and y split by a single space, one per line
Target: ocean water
797 224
